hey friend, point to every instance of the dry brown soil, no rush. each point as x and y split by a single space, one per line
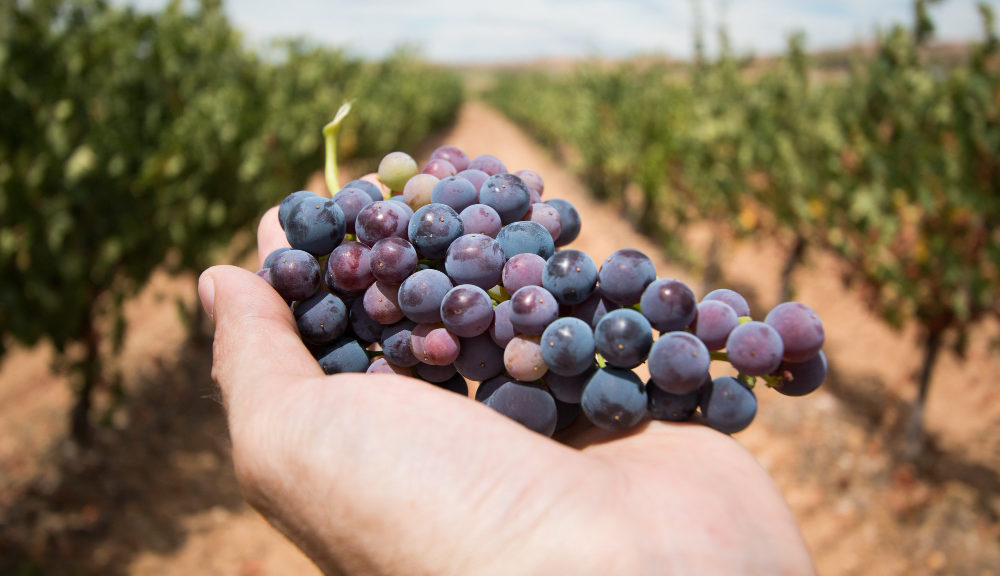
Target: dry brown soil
156 493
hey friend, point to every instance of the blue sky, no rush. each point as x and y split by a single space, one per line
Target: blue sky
517 30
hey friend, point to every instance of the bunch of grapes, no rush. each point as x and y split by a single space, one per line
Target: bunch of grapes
456 273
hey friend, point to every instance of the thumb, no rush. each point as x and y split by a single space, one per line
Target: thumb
257 347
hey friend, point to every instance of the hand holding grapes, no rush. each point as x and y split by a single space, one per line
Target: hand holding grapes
386 474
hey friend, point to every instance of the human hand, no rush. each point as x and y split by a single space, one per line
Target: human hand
381 474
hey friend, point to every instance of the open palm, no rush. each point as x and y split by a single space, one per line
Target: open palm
382 474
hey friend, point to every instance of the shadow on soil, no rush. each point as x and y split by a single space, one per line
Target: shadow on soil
93 510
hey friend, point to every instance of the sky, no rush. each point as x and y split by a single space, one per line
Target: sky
471 32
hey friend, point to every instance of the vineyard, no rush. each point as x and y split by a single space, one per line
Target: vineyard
892 166
138 148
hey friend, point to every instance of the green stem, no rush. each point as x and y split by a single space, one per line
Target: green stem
750 381
773 381
718 355
499 294
330 132
601 363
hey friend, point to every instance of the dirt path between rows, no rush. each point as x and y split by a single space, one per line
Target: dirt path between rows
160 497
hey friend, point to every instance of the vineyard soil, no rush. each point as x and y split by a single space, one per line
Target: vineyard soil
157 495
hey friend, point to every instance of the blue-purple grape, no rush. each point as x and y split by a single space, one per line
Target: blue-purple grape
672 407
488 163
754 348
273 256
343 355
382 219
481 219
296 275
735 300
487 387
713 323
532 407
566 414
728 405
624 276
475 259
623 337
392 260
316 225
395 342
381 303
292 200
532 309
614 399
801 378
678 362
668 304
592 309
351 201
547 216
321 319
433 228
569 220
467 310
477 177
506 194
479 358
525 238
456 192
570 275
453 154
531 179
502 331
455 384
569 388
367 187
364 327
522 270
435 374
421 294
568 346
800 329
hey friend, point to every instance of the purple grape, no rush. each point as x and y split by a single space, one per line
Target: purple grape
672 407
800 329
502 331
456 192
714 322
488 163
396 343
728 405
439 168
348 270
532 180
453 154
433 228
364 327
547 216
435 374
380 220
392 260
801 378
569 219
296 275
522 270
525 237
754 348
736 301
316 225
614 399
475 259
570 275
321 319
527 405
566 414
592 309
467 310
532 309
568 346
623 337
481 219
421 294
678 362
455 384
381 303
351 201
367 187
343 355
569 388
479 358
477 177
506 194
668 304
624 276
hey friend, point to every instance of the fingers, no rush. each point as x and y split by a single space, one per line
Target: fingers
270 236
257 348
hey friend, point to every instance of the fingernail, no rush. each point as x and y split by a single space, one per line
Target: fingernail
206 290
